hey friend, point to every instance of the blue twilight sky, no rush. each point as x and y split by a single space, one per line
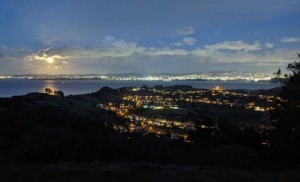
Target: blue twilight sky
147 36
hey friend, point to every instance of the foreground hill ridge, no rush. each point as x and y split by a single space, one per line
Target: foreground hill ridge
44 129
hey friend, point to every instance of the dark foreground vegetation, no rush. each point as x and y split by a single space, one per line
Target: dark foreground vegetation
52 138
39 128
146 172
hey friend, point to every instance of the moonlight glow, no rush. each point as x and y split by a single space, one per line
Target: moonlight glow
44 57
50 60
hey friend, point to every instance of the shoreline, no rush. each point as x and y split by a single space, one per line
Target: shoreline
11 87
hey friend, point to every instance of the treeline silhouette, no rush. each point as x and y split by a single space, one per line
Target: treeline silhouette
286 119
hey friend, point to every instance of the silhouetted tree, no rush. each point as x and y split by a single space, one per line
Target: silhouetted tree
278 73
287 113
48 91
286 117
59 93
294 67
145 87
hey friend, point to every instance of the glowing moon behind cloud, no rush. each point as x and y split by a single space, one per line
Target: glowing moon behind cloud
50 60
46 58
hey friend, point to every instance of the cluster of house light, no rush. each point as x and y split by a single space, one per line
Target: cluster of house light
157 126
156 77
160 100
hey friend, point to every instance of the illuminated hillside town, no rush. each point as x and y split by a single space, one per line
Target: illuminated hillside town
176 111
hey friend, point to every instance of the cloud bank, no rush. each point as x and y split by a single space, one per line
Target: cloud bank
112 55
290 39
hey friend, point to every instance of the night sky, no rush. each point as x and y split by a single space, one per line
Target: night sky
147 36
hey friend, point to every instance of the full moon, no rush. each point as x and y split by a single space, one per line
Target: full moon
50 60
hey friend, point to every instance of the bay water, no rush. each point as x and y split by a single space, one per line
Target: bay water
11 87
